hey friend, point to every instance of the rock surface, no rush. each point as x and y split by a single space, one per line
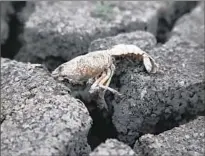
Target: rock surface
191 26
38 116
142 39
41 117
149 100
113 147
66 28
188 139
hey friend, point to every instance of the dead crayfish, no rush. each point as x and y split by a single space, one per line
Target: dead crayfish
98 67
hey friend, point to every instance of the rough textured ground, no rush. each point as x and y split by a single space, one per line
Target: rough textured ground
38 115
66 28
191 26
167 98
142 39
41 117
113 147
151 99
188 139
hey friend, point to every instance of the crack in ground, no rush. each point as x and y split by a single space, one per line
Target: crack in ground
12 45
163 125
102 127
167 21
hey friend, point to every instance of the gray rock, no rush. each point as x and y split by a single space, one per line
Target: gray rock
59 31
38 116
173 94
191 26
188 139
6 10
169 15
142 39
113 147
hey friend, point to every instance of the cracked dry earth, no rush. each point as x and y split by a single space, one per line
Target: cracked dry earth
159 114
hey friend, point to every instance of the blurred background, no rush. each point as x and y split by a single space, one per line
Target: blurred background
44 32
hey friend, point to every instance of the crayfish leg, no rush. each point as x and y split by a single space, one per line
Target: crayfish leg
104 81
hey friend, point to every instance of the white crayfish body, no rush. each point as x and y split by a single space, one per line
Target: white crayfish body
98 66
